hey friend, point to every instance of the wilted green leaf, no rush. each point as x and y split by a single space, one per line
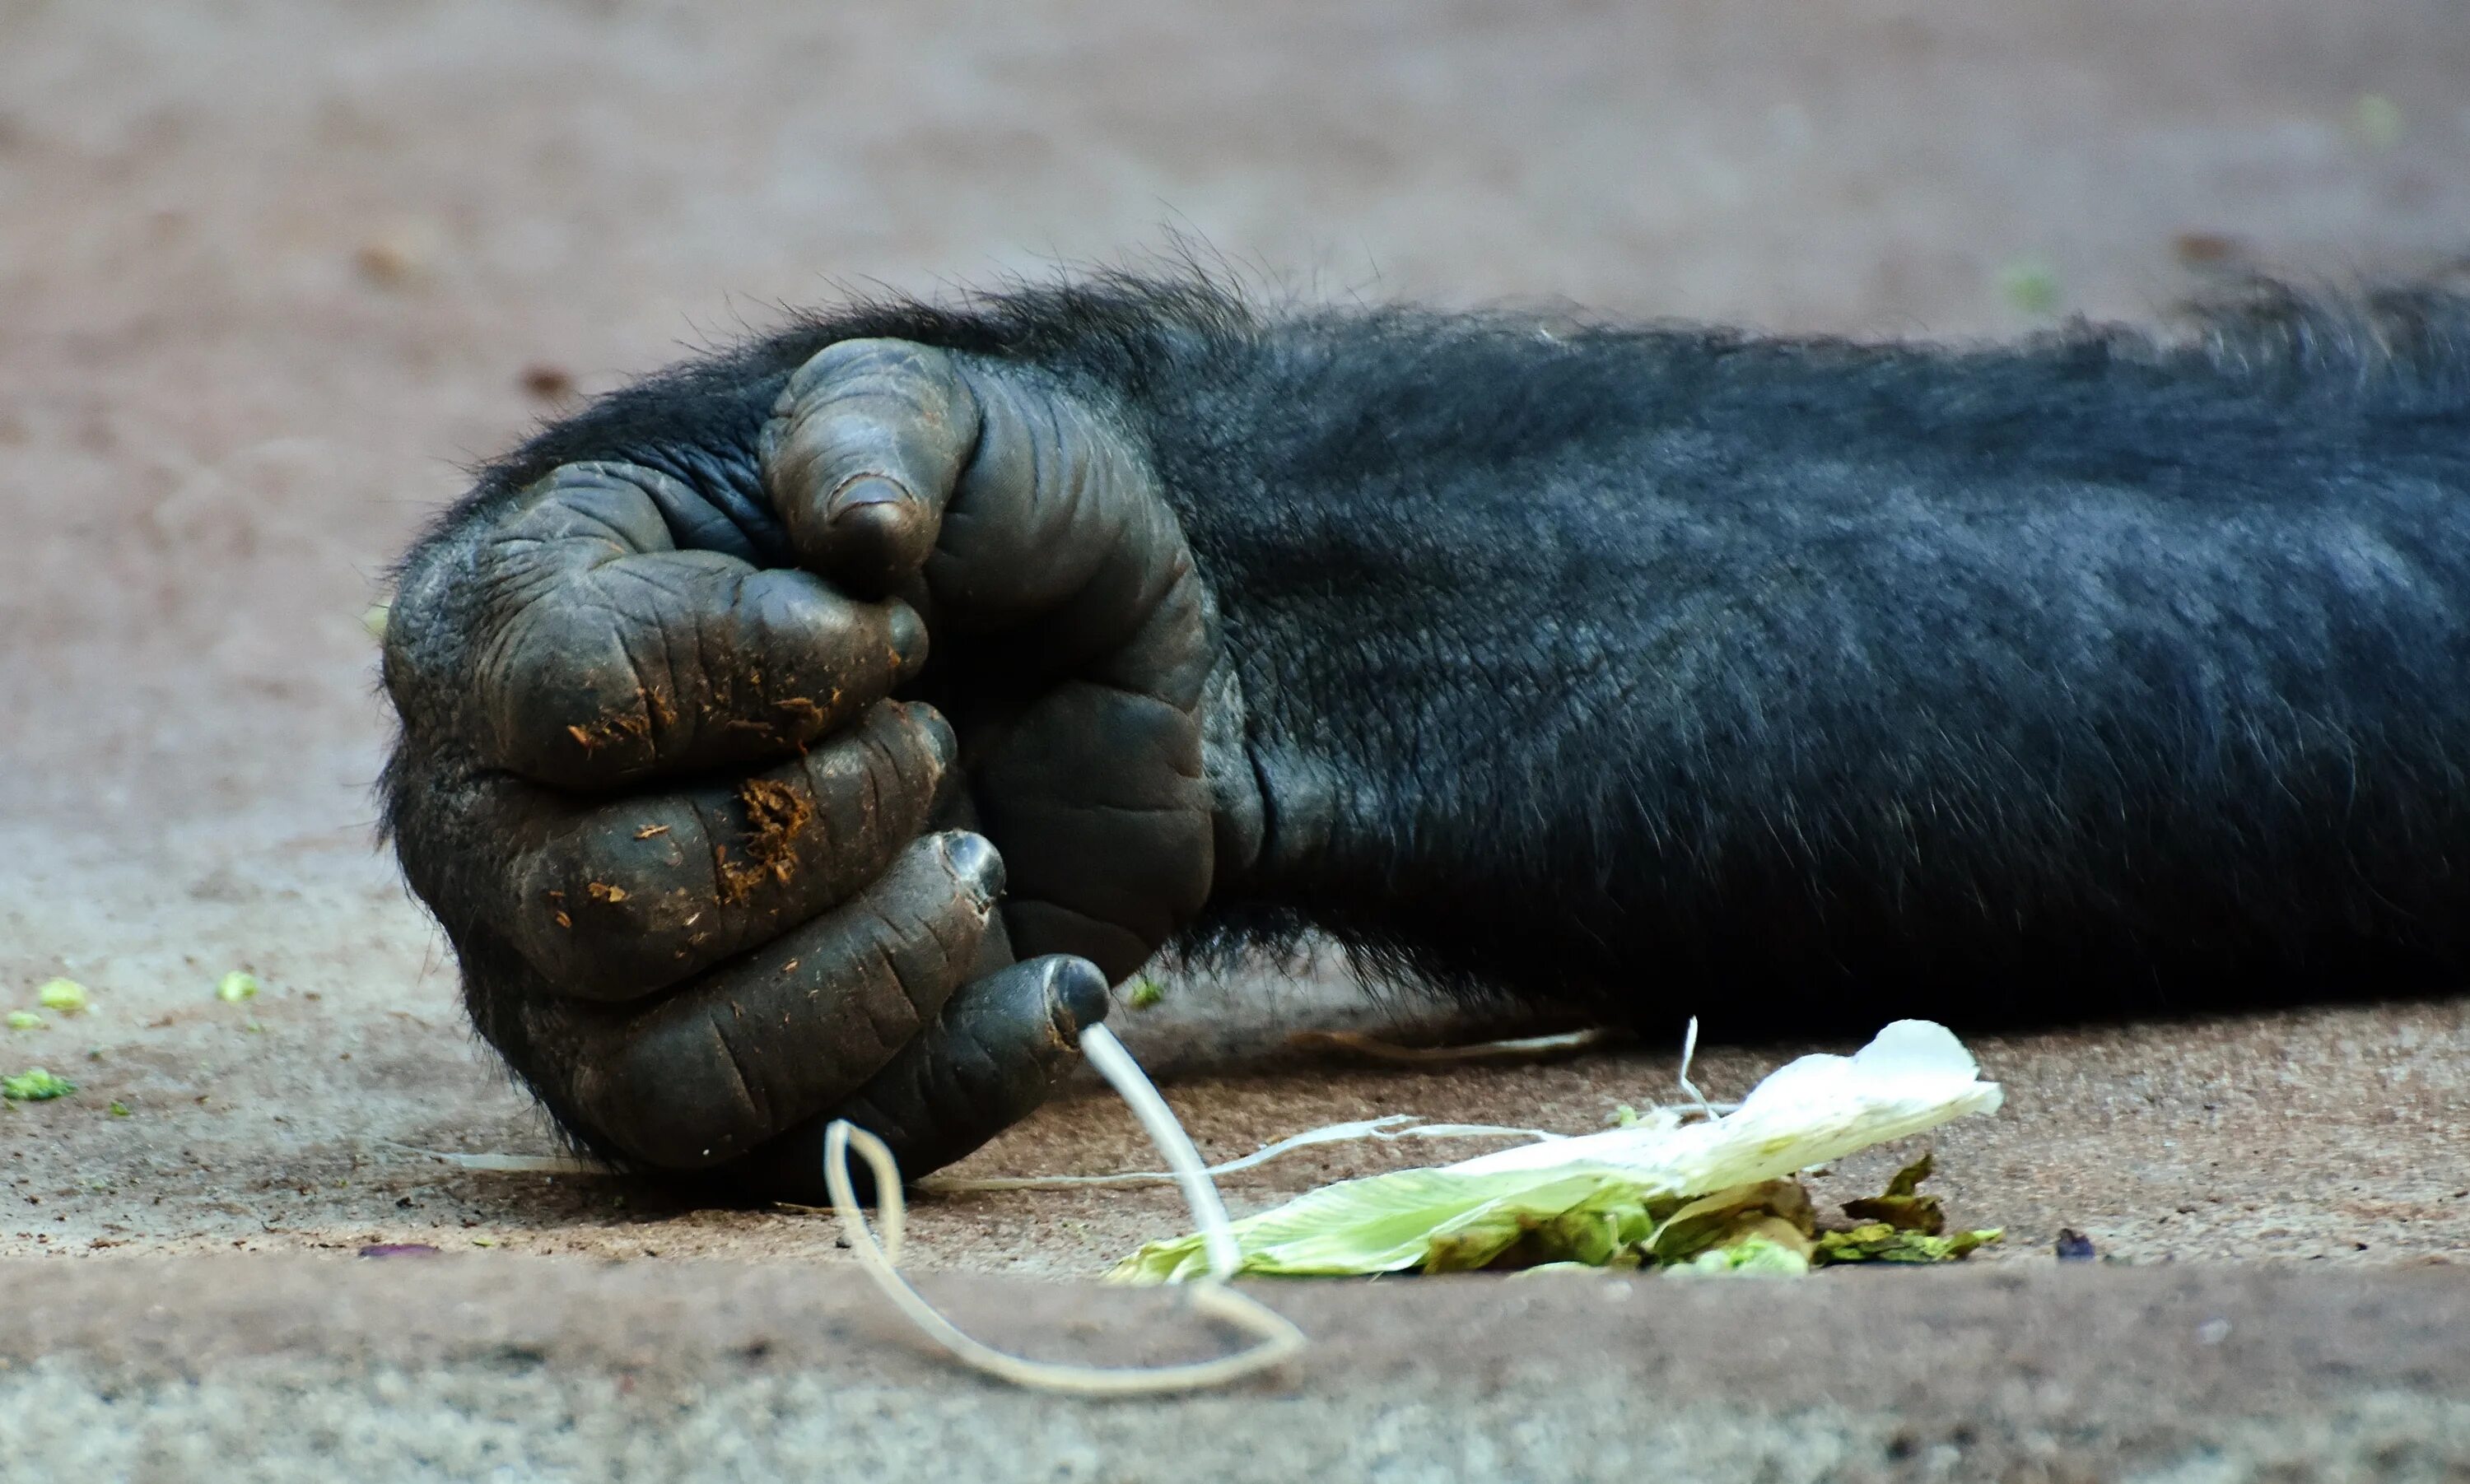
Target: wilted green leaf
1776 1212
1596 1196
1879 1242
1436 1219
35 1085
1902 1206
1750 1255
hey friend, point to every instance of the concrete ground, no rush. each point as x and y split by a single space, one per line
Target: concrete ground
270 273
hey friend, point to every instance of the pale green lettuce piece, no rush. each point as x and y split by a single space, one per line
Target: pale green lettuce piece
1750 1255
1602 1192
35 1085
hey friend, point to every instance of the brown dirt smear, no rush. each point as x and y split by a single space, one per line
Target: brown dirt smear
775 813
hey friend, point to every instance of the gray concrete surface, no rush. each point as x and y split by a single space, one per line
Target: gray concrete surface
285 1368
269 271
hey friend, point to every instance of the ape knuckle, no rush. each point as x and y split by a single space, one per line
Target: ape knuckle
569 690
614 910
868 358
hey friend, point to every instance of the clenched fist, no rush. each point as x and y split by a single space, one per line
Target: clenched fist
829 763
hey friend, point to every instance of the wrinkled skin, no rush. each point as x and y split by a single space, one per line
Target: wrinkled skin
698 829
820 730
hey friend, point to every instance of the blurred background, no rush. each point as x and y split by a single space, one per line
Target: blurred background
271 273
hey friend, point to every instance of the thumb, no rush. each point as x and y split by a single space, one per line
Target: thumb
860 455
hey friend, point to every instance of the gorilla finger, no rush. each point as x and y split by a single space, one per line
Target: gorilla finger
862 450
611 901
615 657
1106 862
998 1052
772 1039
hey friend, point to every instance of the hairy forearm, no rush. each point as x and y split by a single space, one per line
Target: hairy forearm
1621 666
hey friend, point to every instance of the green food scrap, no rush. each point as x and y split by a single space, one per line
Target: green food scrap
25 1020
237 986
1900 1205
1775 1213
1425 1220
35 1085
64 995
2029 285
1879 1242
1753 1255
2378 120
1637 1195
1146 993
1901 1225
119 1109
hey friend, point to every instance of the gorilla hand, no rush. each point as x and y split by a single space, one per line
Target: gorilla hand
654 793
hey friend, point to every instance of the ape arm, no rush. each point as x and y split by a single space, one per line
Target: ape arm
1658 671
1668 672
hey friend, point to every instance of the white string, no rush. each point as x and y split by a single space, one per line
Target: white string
1278 1335
1116 1065
1477 1050
1385 1129
1689 1051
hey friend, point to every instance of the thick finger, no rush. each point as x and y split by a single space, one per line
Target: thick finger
608 655
612 900
998 1052
1107 859
863 449
772 1039
1017 502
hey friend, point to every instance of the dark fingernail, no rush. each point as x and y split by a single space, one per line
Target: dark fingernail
865 492
975 862
908 640
938 731
1079 993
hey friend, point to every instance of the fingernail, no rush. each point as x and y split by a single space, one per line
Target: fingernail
938 731
908 640
1079 992
975 862
862 493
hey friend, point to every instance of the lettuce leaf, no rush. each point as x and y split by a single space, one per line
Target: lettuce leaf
1598 1197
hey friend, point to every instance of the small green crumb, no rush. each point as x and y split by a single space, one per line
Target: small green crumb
485 1241
1147 992
65 995
25 1020
1624 1116
2029 285
35 1085
2378 120
119 1109
374 619
237 986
